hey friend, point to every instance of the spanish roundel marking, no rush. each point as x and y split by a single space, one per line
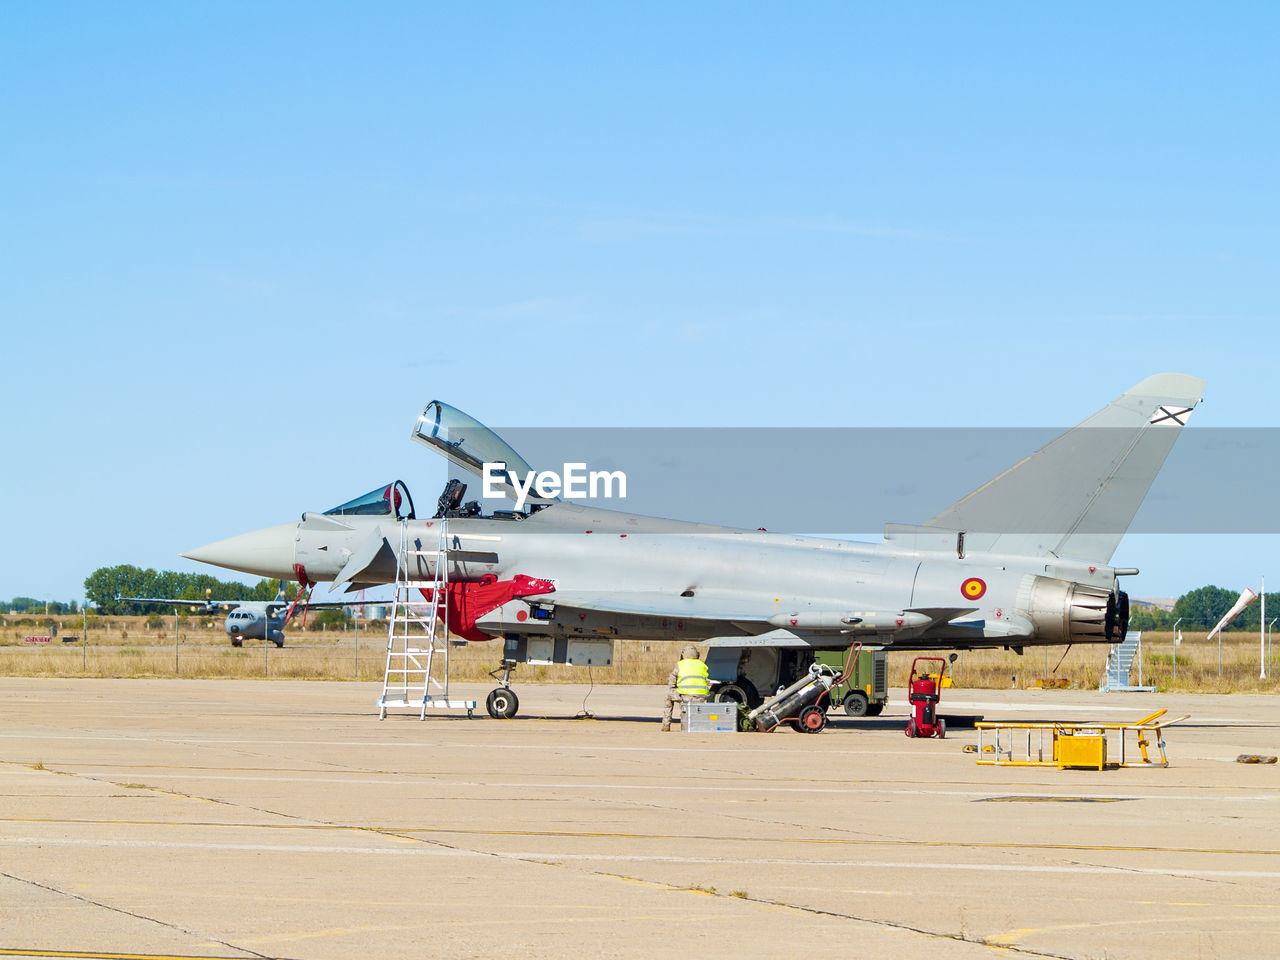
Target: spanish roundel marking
973 588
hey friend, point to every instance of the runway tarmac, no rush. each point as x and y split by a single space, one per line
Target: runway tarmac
282 819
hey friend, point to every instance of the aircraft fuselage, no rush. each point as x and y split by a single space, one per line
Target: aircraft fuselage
667 580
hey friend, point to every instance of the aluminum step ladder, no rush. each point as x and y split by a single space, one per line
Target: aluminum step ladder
1120 661
417 672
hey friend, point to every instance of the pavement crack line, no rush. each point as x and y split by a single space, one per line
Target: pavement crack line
536 861
129 913
840 831
458 848
310 821
497 854
819 911
193 796
889 924
1145 872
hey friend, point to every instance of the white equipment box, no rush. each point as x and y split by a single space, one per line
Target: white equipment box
709 717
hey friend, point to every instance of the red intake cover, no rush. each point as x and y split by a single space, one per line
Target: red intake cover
468 602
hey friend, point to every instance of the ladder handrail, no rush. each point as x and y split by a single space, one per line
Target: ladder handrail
420 627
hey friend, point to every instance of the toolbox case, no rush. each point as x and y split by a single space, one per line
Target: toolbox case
709 717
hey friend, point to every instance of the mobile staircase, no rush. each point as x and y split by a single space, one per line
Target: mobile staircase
417 672
1115 676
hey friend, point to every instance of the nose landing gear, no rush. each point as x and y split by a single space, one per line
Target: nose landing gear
502 702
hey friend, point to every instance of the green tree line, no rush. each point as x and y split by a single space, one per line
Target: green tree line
104 585
32 605
1201 608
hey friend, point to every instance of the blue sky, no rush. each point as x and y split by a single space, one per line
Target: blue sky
243 244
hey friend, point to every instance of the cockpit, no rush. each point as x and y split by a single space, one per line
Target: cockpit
466 443
389 500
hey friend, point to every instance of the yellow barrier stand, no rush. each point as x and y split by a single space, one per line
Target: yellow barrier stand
1074 745
1053 683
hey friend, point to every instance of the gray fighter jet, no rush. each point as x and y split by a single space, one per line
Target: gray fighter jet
1022 560
247 619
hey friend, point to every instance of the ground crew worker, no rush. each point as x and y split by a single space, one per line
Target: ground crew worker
688 683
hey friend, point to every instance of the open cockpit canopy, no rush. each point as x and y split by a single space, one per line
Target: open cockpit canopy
391 500
468 443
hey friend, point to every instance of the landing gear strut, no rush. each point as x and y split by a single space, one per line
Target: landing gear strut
502 702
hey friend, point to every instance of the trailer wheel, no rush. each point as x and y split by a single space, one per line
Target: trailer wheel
855 703
811 719
875 709
911 728
942 728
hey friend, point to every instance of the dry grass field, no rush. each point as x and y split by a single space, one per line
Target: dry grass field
1196 670
125 647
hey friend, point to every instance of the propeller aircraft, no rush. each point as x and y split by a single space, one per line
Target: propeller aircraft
247 619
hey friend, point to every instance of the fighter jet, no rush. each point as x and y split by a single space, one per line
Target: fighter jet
1023 560
247 619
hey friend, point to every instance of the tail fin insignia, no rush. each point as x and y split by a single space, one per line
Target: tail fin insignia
1076 496
1171 416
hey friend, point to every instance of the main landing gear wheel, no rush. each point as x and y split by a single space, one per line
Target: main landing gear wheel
743 691
811 719
502 703
855 703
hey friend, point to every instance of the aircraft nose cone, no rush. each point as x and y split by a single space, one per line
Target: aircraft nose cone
267 552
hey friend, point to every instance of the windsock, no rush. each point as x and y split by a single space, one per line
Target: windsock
1237 608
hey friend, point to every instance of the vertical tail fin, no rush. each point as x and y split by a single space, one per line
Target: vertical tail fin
1076 496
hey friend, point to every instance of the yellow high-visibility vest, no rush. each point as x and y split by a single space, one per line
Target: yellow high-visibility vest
692 678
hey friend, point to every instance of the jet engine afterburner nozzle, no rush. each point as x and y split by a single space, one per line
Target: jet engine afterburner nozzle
1066 612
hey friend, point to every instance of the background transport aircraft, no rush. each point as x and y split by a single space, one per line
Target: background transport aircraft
248 619
1022 560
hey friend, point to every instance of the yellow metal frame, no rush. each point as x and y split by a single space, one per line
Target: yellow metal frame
1031 752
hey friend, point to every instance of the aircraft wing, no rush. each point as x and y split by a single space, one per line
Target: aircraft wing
774 638
658 604
742 609
170 602
272 604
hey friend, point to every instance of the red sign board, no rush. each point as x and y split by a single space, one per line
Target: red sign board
38 639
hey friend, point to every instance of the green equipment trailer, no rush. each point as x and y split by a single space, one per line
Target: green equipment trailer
750 674
867 690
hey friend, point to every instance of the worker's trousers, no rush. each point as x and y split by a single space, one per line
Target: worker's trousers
673 698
